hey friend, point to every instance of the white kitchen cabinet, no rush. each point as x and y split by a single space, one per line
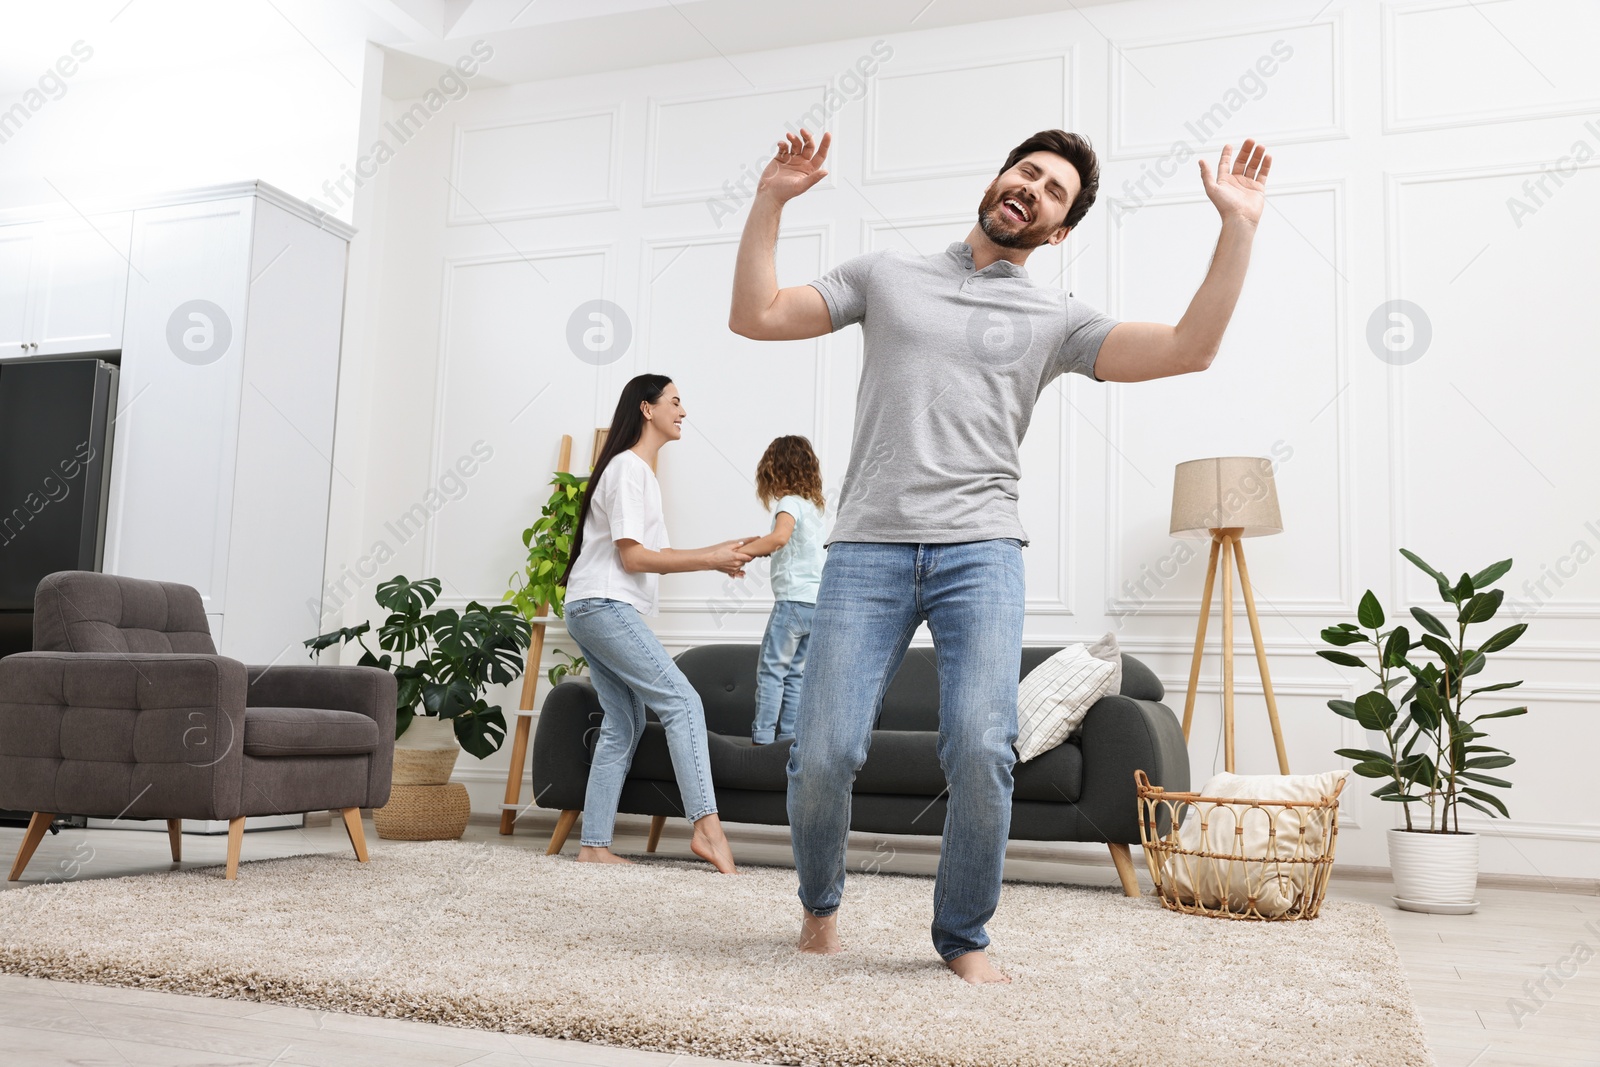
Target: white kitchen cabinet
63 284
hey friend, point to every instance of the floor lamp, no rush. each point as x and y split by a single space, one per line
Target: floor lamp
1228 498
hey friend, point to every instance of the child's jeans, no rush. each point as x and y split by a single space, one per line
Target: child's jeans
781 671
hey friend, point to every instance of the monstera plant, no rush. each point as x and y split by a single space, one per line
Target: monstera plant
443 660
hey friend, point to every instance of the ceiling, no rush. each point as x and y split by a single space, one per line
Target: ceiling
532 39
537 39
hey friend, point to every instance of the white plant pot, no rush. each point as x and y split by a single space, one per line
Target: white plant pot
1434 872
429 733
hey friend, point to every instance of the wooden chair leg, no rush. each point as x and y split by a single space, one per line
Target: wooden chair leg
558 836
38 823
657 823
175 839
358 834
235 843
1123 858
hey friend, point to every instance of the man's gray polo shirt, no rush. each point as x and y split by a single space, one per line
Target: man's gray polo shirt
954 361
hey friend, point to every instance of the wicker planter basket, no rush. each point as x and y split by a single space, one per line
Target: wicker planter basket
424 813
1286 880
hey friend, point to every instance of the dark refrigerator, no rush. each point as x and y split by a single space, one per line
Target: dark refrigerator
56 417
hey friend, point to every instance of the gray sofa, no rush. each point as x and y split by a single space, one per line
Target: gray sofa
125 710
1079 791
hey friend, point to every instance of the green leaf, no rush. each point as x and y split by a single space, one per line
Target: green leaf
1361 753
1463 588
1374 711
1486 779
1420 769
338 637
1342 707
1482 607
402 596
1490 762
447 699
1504 638
1444 650
1396 647
1488 798
1345 637
1506 714
1491 574
1429 622
1469 802
1414 558
1425 713
1344 659
1369 612
1374 768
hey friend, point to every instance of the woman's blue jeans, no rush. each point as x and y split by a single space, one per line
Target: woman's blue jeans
631 671
781 671
873 597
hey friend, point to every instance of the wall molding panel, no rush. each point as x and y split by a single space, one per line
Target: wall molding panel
944 88
1576 22
1129 60
478 149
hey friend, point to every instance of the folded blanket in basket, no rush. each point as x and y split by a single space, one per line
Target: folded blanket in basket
1245 830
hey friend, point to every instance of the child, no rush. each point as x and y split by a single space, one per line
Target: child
789 474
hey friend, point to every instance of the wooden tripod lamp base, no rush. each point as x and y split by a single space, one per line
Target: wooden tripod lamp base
1225 543
1230 497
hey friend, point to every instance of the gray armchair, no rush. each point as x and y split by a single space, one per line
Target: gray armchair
124 710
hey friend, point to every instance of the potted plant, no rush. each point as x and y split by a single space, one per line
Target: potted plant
549 545
573 667
456 656
534 591
1435 759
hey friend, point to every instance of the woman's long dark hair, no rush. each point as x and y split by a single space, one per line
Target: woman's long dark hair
627 426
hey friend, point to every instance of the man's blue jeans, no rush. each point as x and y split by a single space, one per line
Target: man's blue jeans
781 671
631 670
873 597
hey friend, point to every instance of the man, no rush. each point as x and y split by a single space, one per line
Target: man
958 347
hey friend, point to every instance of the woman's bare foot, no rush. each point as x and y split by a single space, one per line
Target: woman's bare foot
819 934
975 968
600 854
711 845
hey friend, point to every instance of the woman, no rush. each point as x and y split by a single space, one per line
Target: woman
611 580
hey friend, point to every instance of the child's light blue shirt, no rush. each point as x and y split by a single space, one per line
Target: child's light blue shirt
797 566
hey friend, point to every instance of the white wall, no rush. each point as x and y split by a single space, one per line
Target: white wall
1399 133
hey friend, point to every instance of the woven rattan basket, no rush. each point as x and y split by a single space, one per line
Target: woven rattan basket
1288 880
424 813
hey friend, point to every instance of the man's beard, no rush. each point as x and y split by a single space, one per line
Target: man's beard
1030 236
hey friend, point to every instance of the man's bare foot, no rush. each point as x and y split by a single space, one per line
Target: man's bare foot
975 968
819 934
711 845
600 854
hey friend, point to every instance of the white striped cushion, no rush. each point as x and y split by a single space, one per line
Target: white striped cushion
1054 698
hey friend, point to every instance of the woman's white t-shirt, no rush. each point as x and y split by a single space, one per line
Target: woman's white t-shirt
626 504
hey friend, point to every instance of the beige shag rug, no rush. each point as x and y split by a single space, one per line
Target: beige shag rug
669 956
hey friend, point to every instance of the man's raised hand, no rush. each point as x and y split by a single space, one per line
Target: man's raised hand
796 167
1239 187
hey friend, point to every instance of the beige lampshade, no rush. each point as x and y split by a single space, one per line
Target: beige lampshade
1226 491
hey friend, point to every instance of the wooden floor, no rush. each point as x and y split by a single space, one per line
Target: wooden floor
1475 978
